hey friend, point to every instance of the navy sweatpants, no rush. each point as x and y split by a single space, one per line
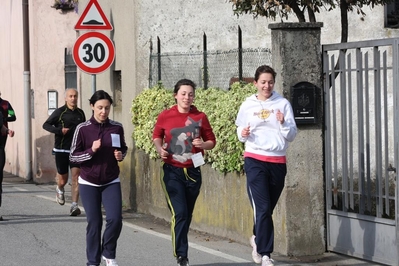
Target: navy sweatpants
110 196
265 182
181 187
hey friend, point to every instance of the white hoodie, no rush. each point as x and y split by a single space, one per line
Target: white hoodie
267 136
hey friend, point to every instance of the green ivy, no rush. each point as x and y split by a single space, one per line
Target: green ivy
219 105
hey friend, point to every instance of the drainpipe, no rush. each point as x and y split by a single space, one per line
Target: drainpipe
27 92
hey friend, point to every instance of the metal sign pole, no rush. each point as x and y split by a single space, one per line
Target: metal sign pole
93 84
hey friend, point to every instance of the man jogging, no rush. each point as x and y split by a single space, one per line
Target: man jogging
62 122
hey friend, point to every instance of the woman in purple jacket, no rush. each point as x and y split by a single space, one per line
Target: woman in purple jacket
98 145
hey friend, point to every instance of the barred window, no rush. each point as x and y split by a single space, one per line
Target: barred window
70 70
392 15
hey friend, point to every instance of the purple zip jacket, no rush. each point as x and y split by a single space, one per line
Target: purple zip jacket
99 167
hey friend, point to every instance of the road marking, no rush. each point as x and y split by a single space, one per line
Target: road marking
167 237
192 245
20 189
45 197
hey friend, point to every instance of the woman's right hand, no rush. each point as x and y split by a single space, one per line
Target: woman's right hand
163 152
245 132
96 145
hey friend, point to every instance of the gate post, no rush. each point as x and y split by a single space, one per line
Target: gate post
299 217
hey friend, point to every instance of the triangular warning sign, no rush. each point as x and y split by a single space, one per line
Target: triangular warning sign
93 18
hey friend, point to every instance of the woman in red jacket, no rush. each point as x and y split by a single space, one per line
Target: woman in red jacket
181 135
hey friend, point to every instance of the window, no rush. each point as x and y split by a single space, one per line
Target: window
117 88
392 14
70 70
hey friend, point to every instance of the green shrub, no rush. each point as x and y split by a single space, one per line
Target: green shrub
219 105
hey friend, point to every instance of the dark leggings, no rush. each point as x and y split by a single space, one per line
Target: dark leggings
3 140
110 197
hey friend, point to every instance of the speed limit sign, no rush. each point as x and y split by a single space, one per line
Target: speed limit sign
93 52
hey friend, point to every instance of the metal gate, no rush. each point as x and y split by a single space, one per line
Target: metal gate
361 97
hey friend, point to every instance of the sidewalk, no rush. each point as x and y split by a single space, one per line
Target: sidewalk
326 259
214 242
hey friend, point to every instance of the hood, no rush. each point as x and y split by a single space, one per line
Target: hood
274 96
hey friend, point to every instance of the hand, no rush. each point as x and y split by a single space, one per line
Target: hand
198 143
11 133
245 132
64 130
118 155
163 152
280 116
96 145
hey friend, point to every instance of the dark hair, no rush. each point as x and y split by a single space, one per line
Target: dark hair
183 82
264 69
100 95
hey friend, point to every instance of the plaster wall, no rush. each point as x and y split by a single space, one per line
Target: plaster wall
11 78
180 26
51 31
123 35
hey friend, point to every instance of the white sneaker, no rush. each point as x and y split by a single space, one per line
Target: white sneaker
255 255
110 262
60 198
266 261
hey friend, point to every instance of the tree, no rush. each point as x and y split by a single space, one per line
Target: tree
282 8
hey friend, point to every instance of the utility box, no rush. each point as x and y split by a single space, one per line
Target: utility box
304 102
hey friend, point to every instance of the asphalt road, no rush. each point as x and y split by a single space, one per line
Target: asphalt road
37 231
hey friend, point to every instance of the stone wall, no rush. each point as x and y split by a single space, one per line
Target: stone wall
300 213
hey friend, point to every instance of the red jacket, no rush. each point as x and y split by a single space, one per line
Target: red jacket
178 131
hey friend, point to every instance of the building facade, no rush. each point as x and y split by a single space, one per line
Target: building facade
38 39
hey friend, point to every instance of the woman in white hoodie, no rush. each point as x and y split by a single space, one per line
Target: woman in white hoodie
265 123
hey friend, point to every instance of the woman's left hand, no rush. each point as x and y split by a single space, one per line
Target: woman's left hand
280 117
118 155
198 143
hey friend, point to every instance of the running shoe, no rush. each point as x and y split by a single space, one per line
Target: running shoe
75 211
182 261
60 196
266 261
255 255
110 262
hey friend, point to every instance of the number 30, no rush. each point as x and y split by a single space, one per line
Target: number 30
98 53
